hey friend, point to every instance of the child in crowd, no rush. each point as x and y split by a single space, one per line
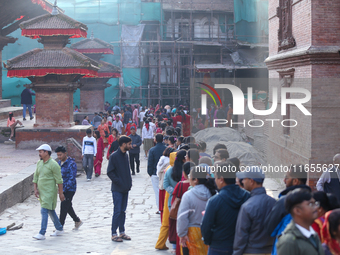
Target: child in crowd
12 123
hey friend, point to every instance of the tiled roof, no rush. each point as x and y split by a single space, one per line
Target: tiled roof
59 58
108 68
48 21
91 44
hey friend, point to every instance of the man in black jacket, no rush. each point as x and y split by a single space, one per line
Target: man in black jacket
278 219
127 116
219 221
134 152
155 154
118 171
26 101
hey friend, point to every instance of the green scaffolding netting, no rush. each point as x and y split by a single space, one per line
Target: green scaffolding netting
251 20
105 19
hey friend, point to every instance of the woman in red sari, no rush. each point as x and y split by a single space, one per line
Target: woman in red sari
100 152
327 202
185 120
331 233
113 142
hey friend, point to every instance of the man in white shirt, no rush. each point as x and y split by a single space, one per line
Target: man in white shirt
141 116
299 236
152 125
329 181
89 151
118 125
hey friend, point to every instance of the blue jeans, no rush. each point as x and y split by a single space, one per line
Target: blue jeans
88 165
44 218
29 106
213 251
120 201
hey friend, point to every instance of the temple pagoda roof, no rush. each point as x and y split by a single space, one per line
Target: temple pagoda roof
41 62
14 12
53 25
108 70
93 45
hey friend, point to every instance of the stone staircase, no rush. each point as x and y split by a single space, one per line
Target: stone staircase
74 151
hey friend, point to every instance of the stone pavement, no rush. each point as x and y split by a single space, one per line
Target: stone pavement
93 204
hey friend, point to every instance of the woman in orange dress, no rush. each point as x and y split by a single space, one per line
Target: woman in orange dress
102 128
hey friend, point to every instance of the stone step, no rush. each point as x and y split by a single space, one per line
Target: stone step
17 112
5 103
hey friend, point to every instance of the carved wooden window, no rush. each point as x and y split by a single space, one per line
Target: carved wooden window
285 33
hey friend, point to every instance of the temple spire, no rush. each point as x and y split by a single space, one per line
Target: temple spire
92 35
55 9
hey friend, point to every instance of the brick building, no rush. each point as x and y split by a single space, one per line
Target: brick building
304 53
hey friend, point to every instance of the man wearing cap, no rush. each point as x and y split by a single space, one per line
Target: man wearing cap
46 178
135 150
250 235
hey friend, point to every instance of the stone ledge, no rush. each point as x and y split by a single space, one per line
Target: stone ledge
16 188
32 138
310 50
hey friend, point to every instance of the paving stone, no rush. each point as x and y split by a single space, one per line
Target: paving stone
93 204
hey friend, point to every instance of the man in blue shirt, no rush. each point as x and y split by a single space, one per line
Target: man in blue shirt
69 173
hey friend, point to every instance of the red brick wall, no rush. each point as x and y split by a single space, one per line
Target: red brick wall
302 23
92 100
33 138
316 139
54 109
273 26
325 22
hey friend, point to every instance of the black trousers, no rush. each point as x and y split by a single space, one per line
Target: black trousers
66 208
134 157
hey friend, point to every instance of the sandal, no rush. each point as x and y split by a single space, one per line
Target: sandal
116 239
125 237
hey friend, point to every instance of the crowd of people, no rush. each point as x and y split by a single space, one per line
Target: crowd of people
106 128
203 210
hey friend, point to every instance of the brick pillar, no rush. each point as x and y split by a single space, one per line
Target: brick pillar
92 95
54 104
92 100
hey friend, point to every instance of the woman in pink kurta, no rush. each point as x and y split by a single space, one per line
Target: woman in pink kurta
99 156
135 116
11 122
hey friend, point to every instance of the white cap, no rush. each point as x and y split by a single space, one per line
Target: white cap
44 147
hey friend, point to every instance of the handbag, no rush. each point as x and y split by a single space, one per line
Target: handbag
175 204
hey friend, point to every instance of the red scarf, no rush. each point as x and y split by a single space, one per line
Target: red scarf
147 126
